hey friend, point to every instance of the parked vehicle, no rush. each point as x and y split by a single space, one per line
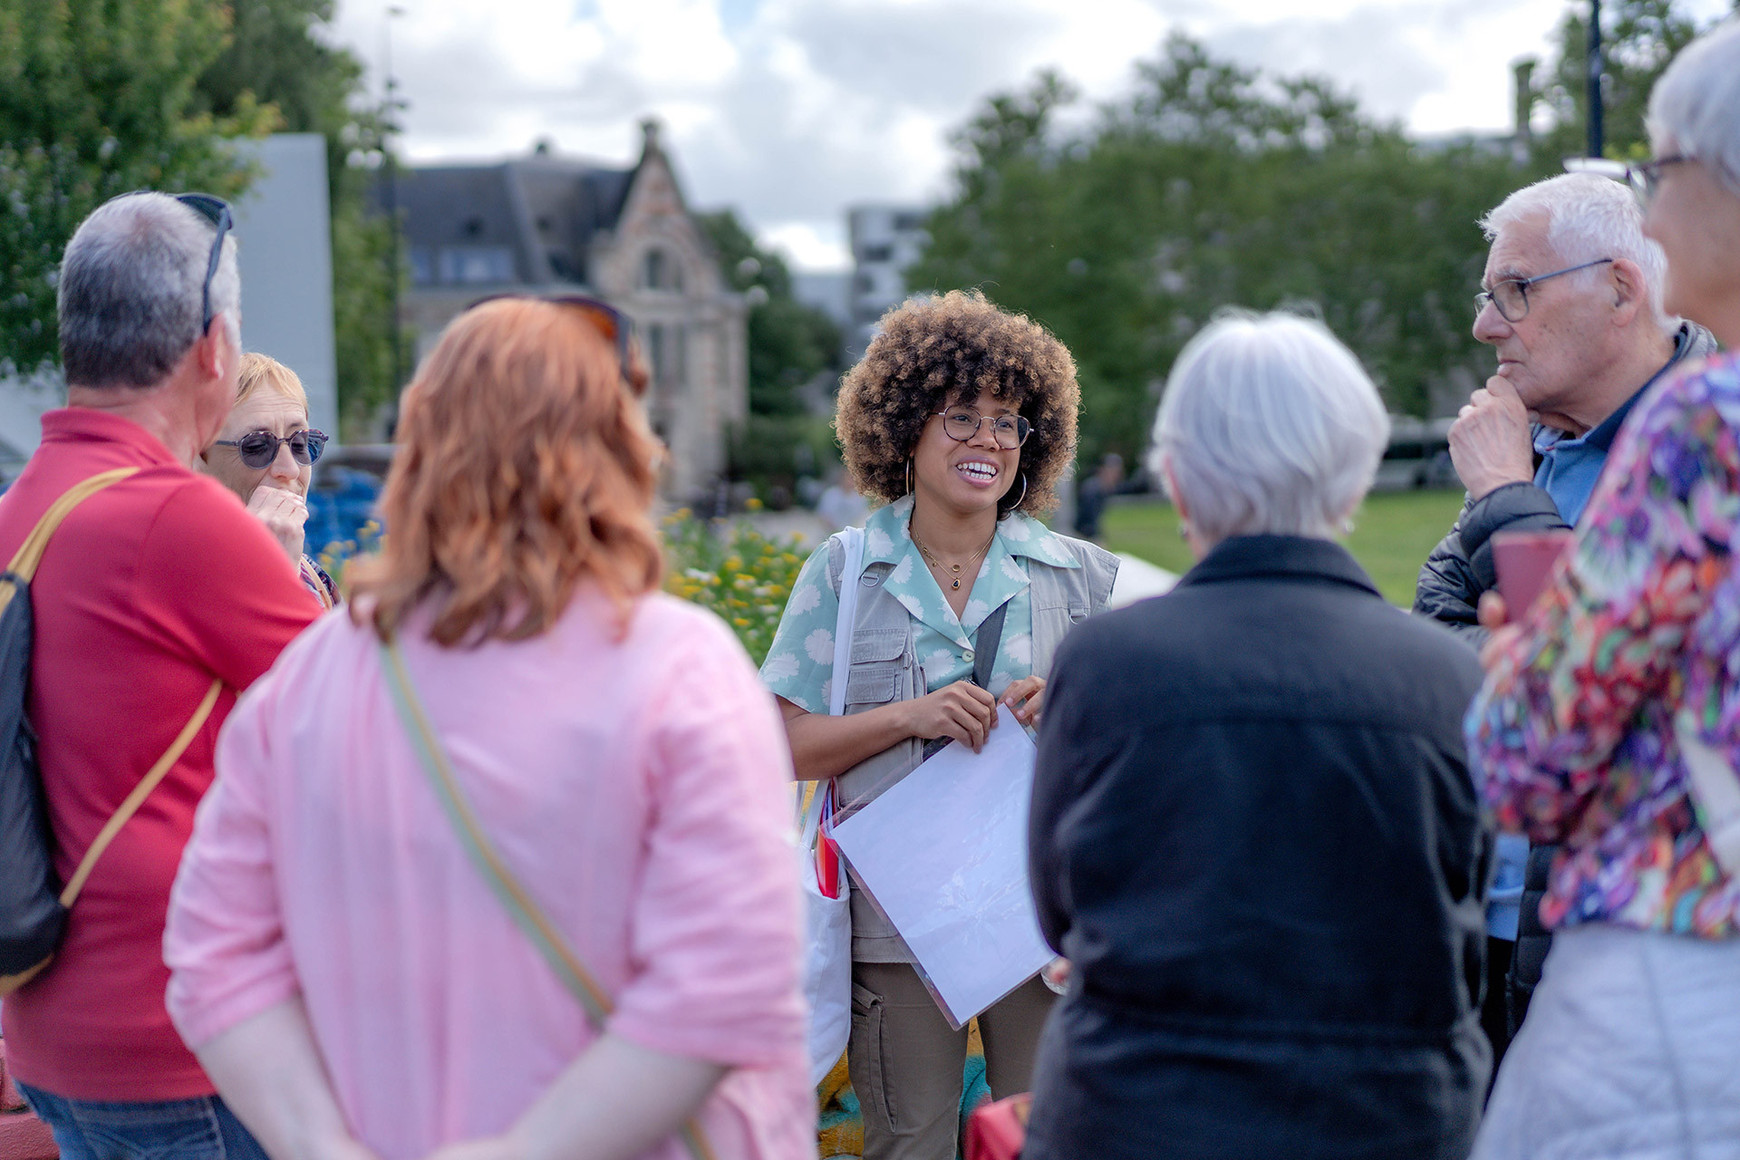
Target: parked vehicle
1418 455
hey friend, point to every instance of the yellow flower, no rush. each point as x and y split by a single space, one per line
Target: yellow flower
752 504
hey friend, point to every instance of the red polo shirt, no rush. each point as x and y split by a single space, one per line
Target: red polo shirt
149 590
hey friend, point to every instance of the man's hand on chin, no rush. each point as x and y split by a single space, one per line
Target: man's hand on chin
1490 442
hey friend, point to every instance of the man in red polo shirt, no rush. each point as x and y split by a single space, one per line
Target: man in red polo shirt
150 590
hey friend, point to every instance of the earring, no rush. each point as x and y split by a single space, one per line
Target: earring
909 475
1020 497
1347 525
1184 530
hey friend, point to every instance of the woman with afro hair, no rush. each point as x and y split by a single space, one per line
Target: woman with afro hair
961 419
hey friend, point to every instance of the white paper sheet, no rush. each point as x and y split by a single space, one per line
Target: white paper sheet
943 853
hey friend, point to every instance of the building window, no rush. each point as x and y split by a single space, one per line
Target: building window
422 266
475 265
660 272
666 350
880 252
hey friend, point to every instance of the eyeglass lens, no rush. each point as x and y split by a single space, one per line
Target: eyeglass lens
1010 431
258 448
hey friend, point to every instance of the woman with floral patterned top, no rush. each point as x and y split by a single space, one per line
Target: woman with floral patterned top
962 418
1629 664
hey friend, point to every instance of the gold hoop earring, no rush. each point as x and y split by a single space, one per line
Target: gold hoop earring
1020 497
909 475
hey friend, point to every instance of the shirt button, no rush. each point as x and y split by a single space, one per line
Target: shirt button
966 654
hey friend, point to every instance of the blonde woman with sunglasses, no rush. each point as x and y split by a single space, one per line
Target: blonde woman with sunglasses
266 454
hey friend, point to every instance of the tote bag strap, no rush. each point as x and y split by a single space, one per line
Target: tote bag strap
519 904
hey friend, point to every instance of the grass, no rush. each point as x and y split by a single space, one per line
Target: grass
1393 533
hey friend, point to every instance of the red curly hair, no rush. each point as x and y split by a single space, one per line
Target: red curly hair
525 468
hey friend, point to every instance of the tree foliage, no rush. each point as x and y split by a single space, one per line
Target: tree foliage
1639 38
276 58
791 346
97 97
789 343
1212 185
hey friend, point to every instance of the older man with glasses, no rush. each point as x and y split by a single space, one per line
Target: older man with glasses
1571 304
157 601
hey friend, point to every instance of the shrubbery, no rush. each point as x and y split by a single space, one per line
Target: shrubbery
734 571
728 568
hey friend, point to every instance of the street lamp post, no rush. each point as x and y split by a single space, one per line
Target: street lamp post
1595 128
389 126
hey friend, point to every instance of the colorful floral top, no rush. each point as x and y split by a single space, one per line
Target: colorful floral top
800 664
1574 729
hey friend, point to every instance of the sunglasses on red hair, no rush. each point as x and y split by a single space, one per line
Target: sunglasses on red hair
616 327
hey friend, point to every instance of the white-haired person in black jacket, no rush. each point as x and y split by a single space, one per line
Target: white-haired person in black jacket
1253 829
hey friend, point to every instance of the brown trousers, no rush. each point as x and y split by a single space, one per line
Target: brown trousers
906 1063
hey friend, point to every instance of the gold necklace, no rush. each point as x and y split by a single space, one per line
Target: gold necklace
952 569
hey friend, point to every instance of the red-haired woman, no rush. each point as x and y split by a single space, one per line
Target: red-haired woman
344 968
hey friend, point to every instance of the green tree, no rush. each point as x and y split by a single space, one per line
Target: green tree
1639 38
276 58
1213 185
98 98
790 346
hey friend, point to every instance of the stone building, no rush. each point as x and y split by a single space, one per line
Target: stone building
545 224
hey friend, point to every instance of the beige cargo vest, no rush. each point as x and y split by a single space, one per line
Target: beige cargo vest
885 669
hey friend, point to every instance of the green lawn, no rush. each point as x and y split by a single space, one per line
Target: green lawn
1392 535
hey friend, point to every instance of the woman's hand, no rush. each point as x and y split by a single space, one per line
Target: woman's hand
961 711
1028 689
284 513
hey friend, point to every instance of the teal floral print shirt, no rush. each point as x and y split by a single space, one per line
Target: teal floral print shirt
800 663
1574 729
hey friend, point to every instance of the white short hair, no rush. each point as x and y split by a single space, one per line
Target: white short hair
1269 425
1588 217
1696 103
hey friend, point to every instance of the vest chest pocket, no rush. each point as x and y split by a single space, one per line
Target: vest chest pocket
878 657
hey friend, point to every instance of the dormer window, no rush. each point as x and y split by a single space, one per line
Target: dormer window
659 271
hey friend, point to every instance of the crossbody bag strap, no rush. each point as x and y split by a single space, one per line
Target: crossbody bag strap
986 639
520 905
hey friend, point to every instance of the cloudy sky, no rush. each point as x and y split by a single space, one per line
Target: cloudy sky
791 110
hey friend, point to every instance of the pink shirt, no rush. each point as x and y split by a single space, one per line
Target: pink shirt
639 790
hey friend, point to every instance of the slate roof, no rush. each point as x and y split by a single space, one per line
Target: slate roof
547 209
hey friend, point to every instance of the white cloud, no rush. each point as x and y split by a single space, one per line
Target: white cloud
791 110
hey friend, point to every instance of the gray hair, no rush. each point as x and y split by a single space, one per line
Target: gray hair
1269 425
1696 103
1588 217
130 287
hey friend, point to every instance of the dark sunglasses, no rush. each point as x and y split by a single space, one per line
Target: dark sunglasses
257 449
216 211
616 327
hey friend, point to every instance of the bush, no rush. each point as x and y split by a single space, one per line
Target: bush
337 553
734 571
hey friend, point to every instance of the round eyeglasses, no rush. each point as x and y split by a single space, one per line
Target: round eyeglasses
962 423
257 449
1511 296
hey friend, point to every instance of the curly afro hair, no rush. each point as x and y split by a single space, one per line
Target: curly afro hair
937 352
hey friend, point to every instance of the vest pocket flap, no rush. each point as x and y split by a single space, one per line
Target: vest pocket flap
871 686
878 644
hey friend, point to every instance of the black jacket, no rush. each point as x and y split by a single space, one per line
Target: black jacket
1254 834
1460 567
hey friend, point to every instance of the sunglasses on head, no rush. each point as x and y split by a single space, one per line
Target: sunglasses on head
613 324
216 211
257 449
